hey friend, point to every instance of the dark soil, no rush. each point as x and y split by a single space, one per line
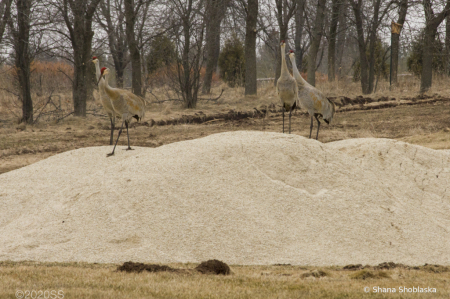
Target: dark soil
213 267
208 267
352 267
139 267
389 266
392 265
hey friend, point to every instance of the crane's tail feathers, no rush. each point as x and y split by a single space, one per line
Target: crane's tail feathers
332 104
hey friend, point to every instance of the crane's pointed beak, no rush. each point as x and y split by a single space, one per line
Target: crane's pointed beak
99 79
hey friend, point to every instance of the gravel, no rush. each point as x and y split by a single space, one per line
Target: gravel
240 197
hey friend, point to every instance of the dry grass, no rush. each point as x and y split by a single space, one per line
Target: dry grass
79 280
367 274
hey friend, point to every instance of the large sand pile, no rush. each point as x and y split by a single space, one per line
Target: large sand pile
240 197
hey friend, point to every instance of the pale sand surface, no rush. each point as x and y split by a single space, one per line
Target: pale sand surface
241 197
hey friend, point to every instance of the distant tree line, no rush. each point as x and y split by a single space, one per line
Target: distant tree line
187 41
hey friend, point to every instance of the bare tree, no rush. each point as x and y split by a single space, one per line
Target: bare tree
112 21
299 24
78 16
447 45
250 47
433 21
368 64
316 37
403 8
189 48
335 9
5 8
132 12
214 13
341 36
357 9
285 10
21 39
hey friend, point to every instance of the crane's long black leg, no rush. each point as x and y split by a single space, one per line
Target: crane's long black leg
129 148
283 119
318 127
310 128
290 114
120 131
112 131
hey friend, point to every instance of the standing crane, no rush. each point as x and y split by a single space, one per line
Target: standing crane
286 87
104 98
312 99
125 103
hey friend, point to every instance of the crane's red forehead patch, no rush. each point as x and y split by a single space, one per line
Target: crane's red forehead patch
282 41
291 51
95 57
103 69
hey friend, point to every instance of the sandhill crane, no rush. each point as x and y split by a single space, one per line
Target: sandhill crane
286 87
106 102
312 99
125 103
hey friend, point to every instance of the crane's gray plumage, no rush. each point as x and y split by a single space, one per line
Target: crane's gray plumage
312 100
287 89
126 104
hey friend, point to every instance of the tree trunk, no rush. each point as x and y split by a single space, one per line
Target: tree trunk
23 58
396 41
119 66
317 33
361 46
215 11
372 44
116 39
82 56
284 14
432 23
332 41
341 37
250 48
81 35
299 23
5 9
79 89
447 45
135 55
427 59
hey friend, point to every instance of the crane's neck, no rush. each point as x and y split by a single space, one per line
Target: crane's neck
284 70
295 71
101 83
111 92
97 70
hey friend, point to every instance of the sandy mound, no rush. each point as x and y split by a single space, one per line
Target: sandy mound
241 197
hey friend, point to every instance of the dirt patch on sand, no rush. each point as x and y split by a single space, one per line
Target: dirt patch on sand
209 267
213 267
392 265
139 267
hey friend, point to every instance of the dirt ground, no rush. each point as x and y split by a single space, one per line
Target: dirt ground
424 122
